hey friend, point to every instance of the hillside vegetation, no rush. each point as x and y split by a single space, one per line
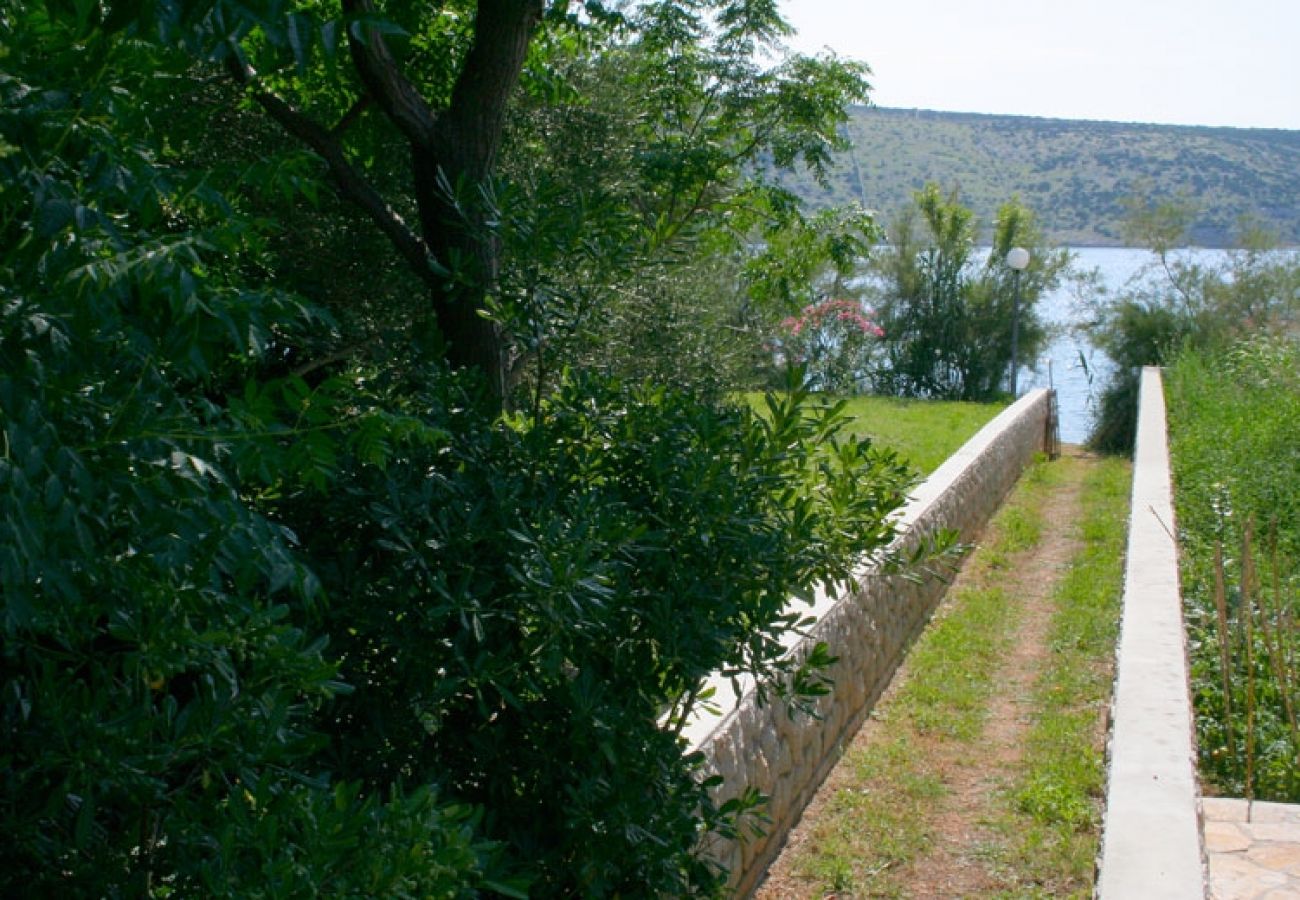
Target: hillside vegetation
1075 174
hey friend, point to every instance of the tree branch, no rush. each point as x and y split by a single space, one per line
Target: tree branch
379 72
350 183
476 116
354 112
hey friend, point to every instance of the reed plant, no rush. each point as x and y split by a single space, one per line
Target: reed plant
1235 429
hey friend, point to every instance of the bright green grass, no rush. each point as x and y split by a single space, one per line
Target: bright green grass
1044 831
923 432
1051 820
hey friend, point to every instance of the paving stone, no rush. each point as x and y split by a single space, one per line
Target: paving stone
1280 833
1276 813
1278 857
1225 837
1268 868
1225 809
1236 878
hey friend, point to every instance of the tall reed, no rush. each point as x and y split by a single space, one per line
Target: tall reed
1257 639
1234 429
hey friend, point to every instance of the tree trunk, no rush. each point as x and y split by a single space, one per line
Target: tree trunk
458 147
458 239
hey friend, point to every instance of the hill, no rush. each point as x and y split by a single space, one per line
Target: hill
1074 174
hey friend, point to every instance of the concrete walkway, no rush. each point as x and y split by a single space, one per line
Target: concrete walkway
1159 839
1253 849
1151 839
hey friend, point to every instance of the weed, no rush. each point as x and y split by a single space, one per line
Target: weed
1234 429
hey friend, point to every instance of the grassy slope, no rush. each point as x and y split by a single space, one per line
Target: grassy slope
923 432
1074 174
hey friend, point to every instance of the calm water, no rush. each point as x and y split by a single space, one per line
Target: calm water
1075 368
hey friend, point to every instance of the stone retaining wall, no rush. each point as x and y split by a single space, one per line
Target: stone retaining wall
869 630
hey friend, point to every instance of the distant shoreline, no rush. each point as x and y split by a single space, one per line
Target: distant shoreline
1119 123
1077 175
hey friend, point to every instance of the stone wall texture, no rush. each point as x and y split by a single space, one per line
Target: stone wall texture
869 629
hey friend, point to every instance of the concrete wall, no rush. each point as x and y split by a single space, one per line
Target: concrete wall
1151 837
869 630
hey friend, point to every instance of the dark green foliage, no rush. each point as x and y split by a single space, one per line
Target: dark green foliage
1115 424
1234 428
1135 333
285 612
518 608
161 684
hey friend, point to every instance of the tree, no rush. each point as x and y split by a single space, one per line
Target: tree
662 251
162 683
443 85
282 616
947 318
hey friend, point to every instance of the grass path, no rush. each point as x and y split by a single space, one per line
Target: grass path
979 774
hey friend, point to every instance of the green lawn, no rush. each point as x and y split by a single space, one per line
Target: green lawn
924 432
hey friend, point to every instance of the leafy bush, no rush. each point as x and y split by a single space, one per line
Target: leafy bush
1234 429
272 631
520 607
834 341
1181 301
948 320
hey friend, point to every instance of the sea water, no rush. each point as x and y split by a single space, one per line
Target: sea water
1077 370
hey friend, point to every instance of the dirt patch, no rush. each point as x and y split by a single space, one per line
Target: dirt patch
955 862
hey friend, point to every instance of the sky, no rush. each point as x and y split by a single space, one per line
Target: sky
1181 62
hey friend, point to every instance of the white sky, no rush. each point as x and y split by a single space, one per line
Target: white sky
1186 62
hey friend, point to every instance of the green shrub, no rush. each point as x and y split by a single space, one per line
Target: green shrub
835 342
518 608
1234 429
1181 301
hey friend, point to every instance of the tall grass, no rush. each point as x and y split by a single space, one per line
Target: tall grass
1235 441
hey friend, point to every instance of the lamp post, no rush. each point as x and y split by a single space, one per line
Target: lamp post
1018 260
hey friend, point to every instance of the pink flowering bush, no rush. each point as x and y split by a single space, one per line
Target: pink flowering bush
835 340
